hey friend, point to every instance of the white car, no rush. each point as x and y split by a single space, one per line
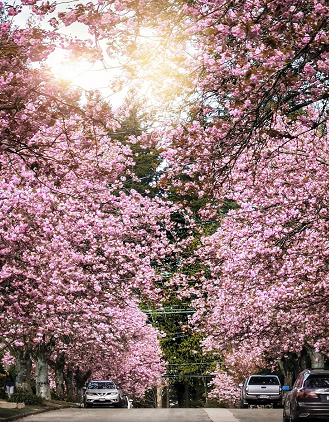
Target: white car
103 392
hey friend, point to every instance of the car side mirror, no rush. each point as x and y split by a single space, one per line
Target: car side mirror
286 388
84 388
241 384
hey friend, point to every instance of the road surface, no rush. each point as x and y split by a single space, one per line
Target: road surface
157 415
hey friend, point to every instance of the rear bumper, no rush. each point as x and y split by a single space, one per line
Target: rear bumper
251 398
263 397
312 411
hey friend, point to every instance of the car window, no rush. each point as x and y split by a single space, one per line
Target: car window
263 381
99 385
317 381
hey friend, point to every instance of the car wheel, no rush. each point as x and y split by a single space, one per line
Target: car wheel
87 405
243 405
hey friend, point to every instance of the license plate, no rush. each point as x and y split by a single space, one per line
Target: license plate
101 399
264 397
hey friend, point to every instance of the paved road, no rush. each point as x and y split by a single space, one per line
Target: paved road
157 415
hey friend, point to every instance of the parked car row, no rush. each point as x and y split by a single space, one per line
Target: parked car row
307 399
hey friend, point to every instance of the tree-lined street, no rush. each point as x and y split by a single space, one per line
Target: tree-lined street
167 228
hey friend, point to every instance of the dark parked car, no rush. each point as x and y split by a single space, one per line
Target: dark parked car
261 389
103 392
309 397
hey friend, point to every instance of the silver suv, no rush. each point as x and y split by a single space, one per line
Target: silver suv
261 389
103 392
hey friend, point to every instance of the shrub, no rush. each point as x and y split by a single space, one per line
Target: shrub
26 398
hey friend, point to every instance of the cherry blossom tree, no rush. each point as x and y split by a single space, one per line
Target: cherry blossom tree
269 256
225 388
114 342
257 135
254 61
75 247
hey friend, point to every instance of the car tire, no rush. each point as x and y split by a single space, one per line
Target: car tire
243 405
87 405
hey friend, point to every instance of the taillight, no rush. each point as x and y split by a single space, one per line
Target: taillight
306 395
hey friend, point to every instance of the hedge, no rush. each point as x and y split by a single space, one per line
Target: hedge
27 398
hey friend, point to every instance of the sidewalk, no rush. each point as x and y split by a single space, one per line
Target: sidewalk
12 414
220 415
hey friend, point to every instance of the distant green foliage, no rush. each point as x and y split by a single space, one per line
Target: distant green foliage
180 345
146 158
146 162
26 398
228 204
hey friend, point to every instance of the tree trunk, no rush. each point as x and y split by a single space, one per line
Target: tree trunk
159 397
80 380
304 360
59 380
167 396
292 364
43 353
41 377
23 370
205 390
69 382
59 375
287 367
317 359
198 391
187 394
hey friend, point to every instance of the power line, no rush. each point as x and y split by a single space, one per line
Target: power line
192 363
168 311
188 376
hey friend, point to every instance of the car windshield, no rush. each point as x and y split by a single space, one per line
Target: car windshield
263 381
317 381
99 385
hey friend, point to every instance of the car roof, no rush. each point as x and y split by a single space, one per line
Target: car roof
261 375
316 371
